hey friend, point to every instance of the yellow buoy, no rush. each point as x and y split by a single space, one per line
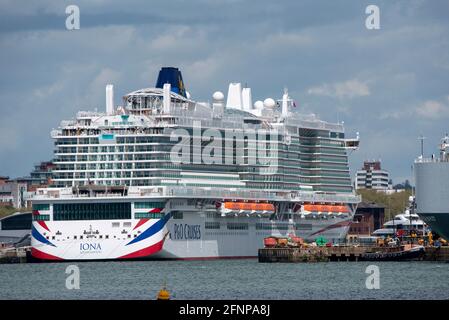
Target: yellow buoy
163 294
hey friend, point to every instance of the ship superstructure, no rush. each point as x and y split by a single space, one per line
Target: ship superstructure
163 176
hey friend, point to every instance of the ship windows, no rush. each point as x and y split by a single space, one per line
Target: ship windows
212 225
269 226
149 205
237 226
91 211
41 217
177 215
41 206
148 215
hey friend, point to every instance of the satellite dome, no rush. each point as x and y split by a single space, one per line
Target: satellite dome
269 103
218 95
258 104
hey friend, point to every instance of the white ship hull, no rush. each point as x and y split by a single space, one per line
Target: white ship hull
170 238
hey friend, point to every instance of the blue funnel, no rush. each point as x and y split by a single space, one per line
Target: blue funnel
174 77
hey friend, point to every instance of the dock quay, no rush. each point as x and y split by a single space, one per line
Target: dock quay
14 255
340 253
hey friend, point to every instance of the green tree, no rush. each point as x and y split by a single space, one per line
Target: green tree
394 203
7 210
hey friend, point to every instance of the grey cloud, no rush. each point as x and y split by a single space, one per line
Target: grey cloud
50 73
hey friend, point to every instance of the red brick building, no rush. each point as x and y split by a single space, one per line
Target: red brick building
368 217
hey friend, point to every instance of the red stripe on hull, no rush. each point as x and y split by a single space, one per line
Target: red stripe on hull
141 222
43 256
144 252
43 225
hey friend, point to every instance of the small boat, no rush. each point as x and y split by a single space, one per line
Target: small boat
404 254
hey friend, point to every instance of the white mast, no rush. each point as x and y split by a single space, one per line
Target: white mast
109 99
285 103
166 97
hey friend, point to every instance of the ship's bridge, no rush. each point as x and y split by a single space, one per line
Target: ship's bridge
151 100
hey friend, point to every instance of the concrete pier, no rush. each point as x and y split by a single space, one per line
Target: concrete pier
341 253
14 255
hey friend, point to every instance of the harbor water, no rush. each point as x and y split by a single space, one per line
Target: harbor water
225 279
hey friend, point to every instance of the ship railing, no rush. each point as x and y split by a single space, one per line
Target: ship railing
222 193
214 193
81 114
429 160
262 195
312 122
317 197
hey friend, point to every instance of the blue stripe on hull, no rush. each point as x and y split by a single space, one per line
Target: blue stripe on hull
155 228
36 235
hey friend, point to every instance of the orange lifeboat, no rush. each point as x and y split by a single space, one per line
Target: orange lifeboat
309 207
249 206
343 209
325 208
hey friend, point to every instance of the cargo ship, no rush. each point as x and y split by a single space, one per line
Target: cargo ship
432 189
162 176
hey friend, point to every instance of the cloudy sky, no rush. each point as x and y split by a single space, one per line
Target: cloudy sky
390 85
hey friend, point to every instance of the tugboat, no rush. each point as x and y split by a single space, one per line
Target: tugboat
404 253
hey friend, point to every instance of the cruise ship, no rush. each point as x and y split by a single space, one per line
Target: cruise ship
432 189
162 176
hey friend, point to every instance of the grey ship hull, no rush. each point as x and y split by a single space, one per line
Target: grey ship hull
432 195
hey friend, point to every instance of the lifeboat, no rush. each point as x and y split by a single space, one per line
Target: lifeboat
326 208
249 207
343 209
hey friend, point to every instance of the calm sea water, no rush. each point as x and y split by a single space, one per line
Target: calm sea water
225 279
